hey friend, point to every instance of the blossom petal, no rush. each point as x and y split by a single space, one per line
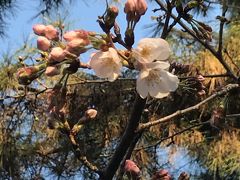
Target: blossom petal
161 95
113 77
141 87
114 55
152 49
100 67
106 64
143 74
169 81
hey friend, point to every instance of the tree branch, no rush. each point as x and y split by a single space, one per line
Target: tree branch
222 22
204 43
169 137
189 109
128 155
126 139
165 27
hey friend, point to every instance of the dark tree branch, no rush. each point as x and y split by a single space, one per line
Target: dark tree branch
126 139
222 22
165 27
128 155
204 43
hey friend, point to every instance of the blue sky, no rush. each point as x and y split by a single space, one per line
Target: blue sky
81 15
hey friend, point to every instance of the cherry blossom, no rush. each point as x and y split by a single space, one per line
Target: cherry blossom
154 79
76 34
150 49
106 64
141 7
77 46
130 6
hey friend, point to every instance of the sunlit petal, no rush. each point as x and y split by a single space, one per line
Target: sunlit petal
106 64
161 95
169 80
151 49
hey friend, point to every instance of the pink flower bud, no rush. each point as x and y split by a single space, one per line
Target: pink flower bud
43 43
201 93
91 113
51 33
52 71
114 10
200 78
39 29
76 46
27 74
130 6
26 71
69 36
77 34
131 167
141 7
82 34
57 54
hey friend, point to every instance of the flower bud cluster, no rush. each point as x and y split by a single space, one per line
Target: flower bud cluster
196 83
26 75
202 30
55 52
134 9
179 68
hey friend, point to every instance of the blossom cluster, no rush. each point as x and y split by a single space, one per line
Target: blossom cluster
149 57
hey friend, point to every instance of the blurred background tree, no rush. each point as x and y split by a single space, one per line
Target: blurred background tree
29 149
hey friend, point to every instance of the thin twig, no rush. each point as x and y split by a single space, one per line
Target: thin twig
231 59
168 16
232 115
170 137
206 76
222 22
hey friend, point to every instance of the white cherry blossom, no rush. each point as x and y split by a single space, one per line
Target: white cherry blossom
154 79
106 64
150 49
